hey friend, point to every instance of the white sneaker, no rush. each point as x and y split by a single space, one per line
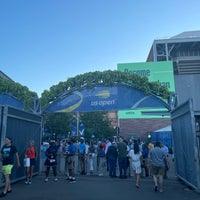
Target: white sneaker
46 179
27 181
55 179
72 181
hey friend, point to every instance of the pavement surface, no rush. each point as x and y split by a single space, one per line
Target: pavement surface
93 187
99 188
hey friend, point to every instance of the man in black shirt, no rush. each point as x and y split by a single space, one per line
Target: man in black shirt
8 152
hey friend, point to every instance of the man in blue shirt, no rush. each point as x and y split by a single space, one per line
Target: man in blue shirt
81 155
70 159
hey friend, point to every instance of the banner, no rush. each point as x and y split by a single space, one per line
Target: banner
74 129
104 98
160 72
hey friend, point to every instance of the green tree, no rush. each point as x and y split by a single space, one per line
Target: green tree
97 124
58 123
107 78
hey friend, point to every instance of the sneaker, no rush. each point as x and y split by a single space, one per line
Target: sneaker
156 188
100 174
161 190
46 179
69 178
72 181
29 182
3 194
55 179
137 186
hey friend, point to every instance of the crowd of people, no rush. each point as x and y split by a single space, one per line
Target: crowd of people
116 157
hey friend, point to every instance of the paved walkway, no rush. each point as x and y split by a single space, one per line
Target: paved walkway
99 188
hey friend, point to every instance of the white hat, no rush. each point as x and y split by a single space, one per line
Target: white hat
113 142
81 138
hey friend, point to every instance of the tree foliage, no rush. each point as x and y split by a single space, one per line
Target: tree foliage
107 78
58 123
22 93
97 124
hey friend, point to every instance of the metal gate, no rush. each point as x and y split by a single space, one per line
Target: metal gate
22 127
186 144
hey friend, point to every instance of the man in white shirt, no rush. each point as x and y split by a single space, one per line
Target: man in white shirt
108 143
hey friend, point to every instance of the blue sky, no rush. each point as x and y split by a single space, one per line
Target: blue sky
43 42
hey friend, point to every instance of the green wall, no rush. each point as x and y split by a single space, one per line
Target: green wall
161 72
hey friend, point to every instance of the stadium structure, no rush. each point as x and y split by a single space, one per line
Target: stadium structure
183 50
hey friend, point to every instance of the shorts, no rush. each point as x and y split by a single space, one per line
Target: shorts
6 169
157 170
29 162
70 162
32 162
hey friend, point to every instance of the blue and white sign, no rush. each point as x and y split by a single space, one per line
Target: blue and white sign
103 98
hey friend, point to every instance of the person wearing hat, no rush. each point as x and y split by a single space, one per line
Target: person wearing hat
8 152
51 160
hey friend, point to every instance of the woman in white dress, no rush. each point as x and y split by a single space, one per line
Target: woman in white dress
135 156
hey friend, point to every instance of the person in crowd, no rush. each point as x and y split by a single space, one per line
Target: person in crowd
70 159
156 158
164 148
108 143
112 155
86 160
8 152
135 156
31 155
104 144
101 159
166 151
65 151
151 145
145 155
122 158
44 147
51 160
81 155
127 158
91 156
130 144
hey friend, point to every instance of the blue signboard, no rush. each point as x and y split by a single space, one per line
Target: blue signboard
74 129
6 99
104 98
